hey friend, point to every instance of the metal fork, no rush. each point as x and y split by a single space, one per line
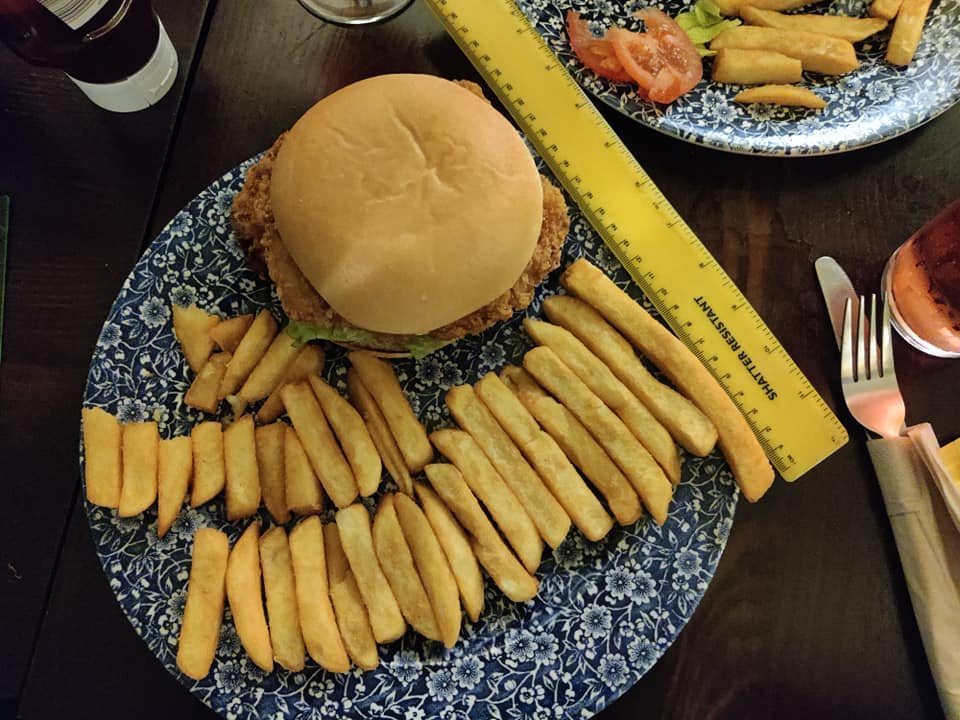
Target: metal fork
867 373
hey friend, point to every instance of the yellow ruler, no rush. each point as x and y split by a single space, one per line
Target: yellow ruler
676 272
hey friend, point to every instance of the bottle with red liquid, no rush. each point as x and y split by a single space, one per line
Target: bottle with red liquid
116 51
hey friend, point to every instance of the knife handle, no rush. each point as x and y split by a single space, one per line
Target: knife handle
929 546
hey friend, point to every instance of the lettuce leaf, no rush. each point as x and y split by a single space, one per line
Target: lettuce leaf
703 23
418 345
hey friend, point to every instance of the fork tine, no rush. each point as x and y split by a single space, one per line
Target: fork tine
861 348
873 356
886 342
846 345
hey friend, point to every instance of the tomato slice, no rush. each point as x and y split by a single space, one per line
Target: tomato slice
595 53
662 61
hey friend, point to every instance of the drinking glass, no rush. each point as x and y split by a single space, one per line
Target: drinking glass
355 12
922 284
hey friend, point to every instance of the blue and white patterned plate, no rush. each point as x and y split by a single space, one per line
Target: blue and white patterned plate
874 103
605 612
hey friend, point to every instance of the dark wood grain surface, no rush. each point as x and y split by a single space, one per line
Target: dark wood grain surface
808 614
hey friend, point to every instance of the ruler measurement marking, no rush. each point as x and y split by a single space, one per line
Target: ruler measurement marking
482 34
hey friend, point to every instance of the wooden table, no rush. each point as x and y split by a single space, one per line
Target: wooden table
808 615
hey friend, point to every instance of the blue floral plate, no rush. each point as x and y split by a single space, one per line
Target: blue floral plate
605 612
874 103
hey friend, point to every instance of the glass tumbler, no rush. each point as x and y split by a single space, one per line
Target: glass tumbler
922 285
355 12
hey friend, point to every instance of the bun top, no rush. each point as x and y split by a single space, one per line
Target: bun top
407 201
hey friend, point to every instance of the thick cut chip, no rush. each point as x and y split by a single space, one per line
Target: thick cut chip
245 596
454 541
816 52
281 593
209 469
174 468
397 563
319 443
317 620
352 433
309 361
269 372
101 456
243 475
248 353
577 444
507 572
356 538
270 464
486 483
432 565
788 95
379 432
203 393
203 611
626 451
750 466
379 378
141 443
228 333
303 492
547 514
192 327
352 617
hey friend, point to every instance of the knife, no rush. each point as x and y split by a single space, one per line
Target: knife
837 289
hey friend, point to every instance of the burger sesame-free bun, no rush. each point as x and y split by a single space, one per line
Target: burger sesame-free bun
407 201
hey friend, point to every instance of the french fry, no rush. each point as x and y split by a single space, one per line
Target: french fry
209 469
174 468
243 475
192 326
684 421
733 7
755 67
319 444
379 378
614 394
352 433
432 565
750 466
547 513
246 597
886 9
818 53
397 563
624 449
228 333
248 353
485 482
309 361
317 620
546 456
303 492
203 611
140 442
203 391
101 456
379 432
787 95
907 28
504 569
270 468
269 371
351 613
356 538
281 594
577 444
851 29
454 541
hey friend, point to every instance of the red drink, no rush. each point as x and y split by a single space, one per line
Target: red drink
116 51
922 281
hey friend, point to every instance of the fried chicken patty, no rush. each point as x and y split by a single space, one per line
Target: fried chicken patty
257 234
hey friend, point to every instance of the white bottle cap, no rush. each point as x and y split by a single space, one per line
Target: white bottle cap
142 89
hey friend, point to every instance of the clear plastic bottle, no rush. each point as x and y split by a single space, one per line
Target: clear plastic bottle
116 51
